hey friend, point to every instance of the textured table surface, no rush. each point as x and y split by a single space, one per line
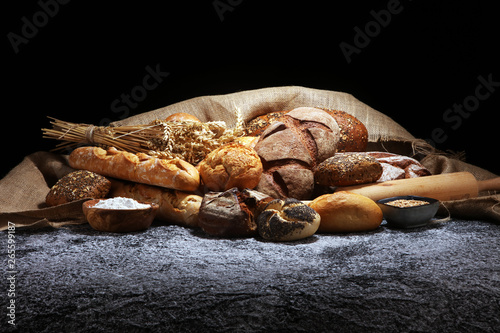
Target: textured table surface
442 278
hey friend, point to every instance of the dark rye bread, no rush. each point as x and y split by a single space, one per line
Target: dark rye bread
353 133
291 148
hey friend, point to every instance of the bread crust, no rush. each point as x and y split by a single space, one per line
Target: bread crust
229 166
173 173
353 133
347 212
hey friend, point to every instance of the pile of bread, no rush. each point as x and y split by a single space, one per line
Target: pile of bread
277 182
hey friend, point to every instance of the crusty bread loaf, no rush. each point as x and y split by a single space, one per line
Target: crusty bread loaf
291 148
353 133
78 185
231 213
344 169
176 207
181 116
398 166
346 212
174 173
229 166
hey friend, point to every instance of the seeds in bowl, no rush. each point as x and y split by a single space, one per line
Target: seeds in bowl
403 203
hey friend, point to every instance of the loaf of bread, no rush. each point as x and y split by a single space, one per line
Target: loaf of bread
78 185
181 116
347 212
229 166
353 133
291 148
344 169
176 207
398 166
173 173
231 213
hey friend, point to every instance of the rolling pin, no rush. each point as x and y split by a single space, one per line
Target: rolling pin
444 187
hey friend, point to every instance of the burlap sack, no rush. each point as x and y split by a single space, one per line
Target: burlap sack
23 190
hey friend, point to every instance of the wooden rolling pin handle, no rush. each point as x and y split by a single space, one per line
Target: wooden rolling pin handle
492 184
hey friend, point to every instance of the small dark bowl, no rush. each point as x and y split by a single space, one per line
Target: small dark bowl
408 217
119 220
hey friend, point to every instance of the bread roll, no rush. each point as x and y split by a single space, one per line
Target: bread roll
347 212
176 207
353 133
229 166
181 116
78 185
291 148
287 220
174 173
344 169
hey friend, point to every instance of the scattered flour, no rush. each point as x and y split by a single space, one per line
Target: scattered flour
120 203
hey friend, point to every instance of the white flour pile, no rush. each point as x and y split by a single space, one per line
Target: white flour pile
120 203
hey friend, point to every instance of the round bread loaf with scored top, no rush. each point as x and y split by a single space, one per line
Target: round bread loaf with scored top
291 148
353 133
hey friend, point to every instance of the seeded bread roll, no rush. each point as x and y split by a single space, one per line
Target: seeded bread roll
78 185
291 148
287 220
344 169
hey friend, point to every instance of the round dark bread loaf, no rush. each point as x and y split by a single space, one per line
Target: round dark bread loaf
231 213
291 148
78 185
353 133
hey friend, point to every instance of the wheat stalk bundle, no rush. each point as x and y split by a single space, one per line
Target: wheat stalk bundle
187 140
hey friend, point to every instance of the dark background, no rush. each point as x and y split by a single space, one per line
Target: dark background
88 54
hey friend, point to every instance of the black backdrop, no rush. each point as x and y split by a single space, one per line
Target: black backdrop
430 65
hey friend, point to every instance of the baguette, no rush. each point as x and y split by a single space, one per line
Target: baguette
141 168
176 207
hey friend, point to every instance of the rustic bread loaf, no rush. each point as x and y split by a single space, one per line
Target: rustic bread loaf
398 166
353 133
291 148
229 166
231 213
176 174
78 185
344 169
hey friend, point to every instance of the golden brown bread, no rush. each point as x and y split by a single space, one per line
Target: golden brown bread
176 207
170 173
229 166
353 133
181 116
347 212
